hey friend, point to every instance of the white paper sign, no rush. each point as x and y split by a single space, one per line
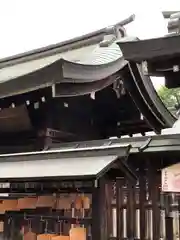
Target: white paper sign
170 178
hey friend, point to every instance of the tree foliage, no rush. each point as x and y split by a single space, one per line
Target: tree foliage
170 97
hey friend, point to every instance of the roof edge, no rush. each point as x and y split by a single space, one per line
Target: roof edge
85 40
167 14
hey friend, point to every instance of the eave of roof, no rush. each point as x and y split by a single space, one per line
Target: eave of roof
145 144
167 14
151 49
56 165
89 167
67 72
54 64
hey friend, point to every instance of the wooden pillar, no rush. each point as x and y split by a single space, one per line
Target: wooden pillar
99 221
96 211
6 228
130 211
142 200
108 207
119 207
154 184
169 228
169 218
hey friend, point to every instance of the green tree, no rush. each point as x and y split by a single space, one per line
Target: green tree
170 97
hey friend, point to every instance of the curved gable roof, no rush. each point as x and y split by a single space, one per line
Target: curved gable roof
80 60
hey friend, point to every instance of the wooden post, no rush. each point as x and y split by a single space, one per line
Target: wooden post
130 211
96 219
119 207
99 213
142 200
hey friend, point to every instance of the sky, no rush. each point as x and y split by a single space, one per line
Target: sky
30 24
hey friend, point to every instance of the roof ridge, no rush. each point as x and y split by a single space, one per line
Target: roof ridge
86 39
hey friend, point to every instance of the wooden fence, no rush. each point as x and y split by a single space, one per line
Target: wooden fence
142 211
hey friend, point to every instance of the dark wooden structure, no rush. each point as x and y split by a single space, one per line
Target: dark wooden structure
85 79
53 194
61 178
119 185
